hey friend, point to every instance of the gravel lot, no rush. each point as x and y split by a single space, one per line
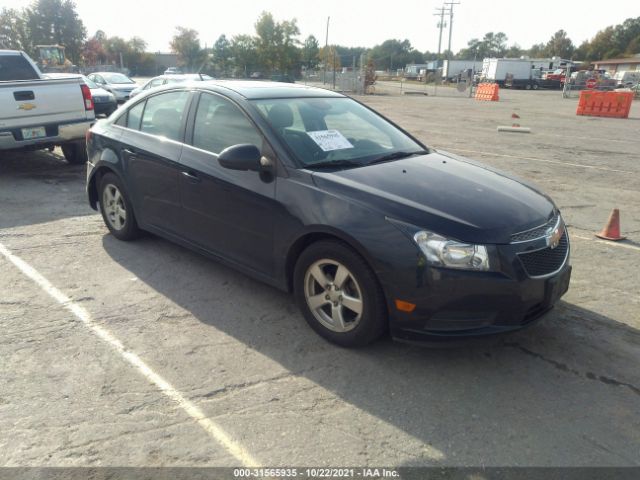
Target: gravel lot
248 381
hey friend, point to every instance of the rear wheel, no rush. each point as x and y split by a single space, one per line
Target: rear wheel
339 294
116 208
75 153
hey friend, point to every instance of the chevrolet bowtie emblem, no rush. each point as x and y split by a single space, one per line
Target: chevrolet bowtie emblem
554 235
26 106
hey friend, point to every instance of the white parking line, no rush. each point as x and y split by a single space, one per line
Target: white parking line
213 430
608 242
534 159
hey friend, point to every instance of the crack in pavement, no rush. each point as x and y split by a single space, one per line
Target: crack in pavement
565 368
218 392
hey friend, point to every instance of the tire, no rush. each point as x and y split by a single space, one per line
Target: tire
349 311
535 86
75 153
527 86
116 208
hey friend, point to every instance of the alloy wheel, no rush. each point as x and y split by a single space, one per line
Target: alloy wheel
333 295
114 207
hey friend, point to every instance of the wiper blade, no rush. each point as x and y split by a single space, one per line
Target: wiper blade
334 164
396 156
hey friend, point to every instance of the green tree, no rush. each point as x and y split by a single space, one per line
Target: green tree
13 30
613 41
56 22
537 50
245 58
222 55
559 45
276 44
311 52
394 54
491 45
187 45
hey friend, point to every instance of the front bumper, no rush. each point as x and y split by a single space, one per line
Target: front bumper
456 303
121 95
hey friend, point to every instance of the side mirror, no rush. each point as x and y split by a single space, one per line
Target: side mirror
240 157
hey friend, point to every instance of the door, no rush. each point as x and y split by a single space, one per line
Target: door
151 146
228 212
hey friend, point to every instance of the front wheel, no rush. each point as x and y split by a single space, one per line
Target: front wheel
339 294
116 208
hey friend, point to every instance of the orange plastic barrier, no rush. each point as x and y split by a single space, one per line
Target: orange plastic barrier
604 104
488 92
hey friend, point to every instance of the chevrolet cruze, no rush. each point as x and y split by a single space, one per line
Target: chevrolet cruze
314 193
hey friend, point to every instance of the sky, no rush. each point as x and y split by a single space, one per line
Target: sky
353 22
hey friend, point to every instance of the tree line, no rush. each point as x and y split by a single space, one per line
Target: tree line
275 47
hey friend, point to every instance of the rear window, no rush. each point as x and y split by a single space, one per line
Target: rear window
16 67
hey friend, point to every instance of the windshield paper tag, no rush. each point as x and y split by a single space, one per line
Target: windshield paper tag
329 140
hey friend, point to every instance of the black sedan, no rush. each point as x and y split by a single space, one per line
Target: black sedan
314 193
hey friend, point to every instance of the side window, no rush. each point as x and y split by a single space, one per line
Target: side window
134 116
220 124
155 83
163 115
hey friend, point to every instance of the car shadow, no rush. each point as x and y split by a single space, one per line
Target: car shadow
40 186
562 392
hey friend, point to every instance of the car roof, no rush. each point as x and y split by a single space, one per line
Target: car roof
255 89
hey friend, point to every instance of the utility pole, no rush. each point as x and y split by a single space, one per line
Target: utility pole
326 52
441 25
451 4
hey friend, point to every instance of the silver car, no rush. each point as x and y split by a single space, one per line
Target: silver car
169 78
117 83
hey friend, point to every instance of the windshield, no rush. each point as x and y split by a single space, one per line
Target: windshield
90 83
116 78
322 131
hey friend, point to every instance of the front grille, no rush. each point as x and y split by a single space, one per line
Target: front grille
536 232
546 261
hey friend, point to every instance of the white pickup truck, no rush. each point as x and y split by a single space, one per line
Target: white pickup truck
38 113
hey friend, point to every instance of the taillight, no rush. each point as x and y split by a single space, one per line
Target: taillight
86 95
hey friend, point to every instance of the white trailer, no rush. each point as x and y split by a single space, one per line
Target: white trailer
511 72
451 68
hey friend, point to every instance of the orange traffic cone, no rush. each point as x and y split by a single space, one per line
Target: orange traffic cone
611 231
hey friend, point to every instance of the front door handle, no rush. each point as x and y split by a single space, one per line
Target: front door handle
191 176
130 153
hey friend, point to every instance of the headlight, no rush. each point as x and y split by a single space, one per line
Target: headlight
443 252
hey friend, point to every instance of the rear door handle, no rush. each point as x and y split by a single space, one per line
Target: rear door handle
192 177
131 153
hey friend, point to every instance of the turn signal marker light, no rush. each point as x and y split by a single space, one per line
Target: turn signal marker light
405 306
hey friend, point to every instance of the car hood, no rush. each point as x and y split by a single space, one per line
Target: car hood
444 193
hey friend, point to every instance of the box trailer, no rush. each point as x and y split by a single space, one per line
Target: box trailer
511 72
452 68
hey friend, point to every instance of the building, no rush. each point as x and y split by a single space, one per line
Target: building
619 64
